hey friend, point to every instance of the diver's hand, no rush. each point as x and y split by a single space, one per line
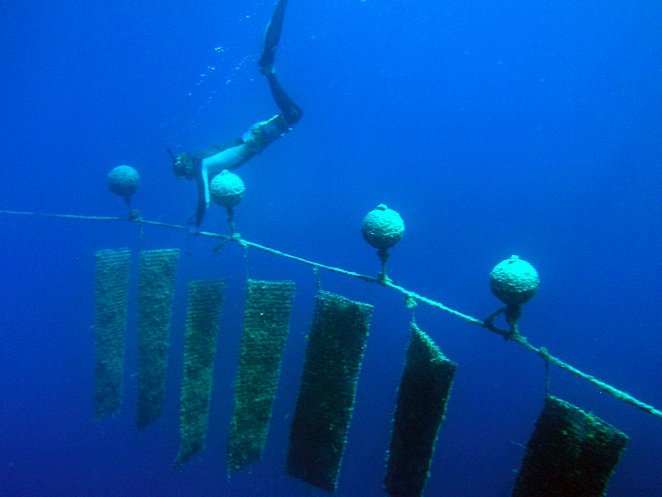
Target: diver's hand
134 215
193 227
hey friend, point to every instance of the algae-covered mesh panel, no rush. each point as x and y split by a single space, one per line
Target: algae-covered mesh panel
571 453
423 394
266 325
111 294
202 319
156 284
328 386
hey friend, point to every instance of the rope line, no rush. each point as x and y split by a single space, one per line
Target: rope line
411 298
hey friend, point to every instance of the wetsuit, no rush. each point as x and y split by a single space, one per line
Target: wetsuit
203 166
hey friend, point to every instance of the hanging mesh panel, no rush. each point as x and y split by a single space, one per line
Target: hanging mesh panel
571 453
328 386
422 397
156 284
202 319
111 294
266 325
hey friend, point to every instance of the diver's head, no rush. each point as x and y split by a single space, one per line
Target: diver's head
183 167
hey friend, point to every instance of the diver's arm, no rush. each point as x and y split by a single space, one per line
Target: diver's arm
207 168
202 182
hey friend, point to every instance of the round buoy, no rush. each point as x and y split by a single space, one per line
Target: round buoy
123 181
227 189
382 227
514 281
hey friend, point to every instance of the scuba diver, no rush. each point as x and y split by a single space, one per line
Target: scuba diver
203 166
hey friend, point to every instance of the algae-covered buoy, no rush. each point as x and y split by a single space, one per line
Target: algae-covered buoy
514 281
382 227
123 181
227 189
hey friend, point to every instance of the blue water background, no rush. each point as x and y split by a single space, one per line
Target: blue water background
494 128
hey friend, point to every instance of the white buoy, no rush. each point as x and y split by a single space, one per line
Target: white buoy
227 189
382 227
123 181
514 281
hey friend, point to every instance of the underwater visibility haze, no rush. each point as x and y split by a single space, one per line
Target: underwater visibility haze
493 128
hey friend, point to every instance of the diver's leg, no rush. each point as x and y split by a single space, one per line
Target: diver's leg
271 38
290 110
